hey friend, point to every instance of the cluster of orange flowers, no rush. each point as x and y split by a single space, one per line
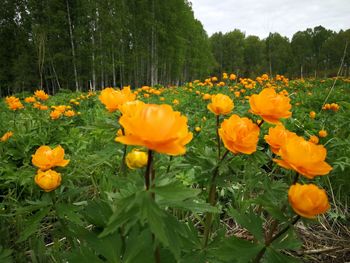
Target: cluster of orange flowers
60 110
46 158
331 106
14 103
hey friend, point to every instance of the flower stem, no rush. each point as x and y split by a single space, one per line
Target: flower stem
269 241
148 174
261 123
296 178
217 135
212 200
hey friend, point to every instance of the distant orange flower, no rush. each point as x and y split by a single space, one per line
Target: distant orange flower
40 94
6 136
232 76
304 157
156 127
48 180
270 105
308 200
239 135
176 102
277 137
220 104
113 99
30 99
322 133
46 158
60 108
206 96
314 139
14 103
55 114
69 113
312 114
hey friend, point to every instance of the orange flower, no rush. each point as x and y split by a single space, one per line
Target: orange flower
156 127
277 137
130 107
40 94
206 96
176 102
197 129
113 99
270 105
314 139
308 200
69 113
220 104
304 157
43 107
312 114
46 158
14 103
136 159
232 76
55 114
48 180
6 136
240 135
60 108
322 133
30 99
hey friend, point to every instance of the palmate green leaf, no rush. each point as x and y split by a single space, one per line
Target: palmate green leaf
175 191
5 255
32 225
83 254
274 256
235 250
126 210
139 247
166 228
67 211
252 222
287 241
97 212
108 247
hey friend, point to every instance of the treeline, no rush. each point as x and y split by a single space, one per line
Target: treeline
314 52
89 44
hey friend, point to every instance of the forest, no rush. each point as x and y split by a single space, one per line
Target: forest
82 45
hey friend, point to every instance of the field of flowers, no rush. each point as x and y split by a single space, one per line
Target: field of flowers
225 169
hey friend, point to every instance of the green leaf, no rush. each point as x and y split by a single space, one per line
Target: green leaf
32 225
273 256
236 250
98 212
66 211
139 247
252 222
287 241
175 191
5 255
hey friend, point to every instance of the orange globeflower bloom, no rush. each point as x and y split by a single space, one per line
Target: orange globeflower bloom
304 157
322 133
277 137
220 104
312 114
206 96
232 76
40 94
157 127
113 99
30 99
314 139
69 113
176 102
14 103
270 105
239 135
46 158
48 180
6 136
60 108
55 114
308 200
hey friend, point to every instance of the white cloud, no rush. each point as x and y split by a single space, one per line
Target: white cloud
286 17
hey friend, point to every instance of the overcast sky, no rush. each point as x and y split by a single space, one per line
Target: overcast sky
259 17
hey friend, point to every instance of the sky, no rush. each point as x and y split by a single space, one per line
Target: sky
259 17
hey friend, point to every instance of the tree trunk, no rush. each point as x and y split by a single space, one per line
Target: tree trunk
73 48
